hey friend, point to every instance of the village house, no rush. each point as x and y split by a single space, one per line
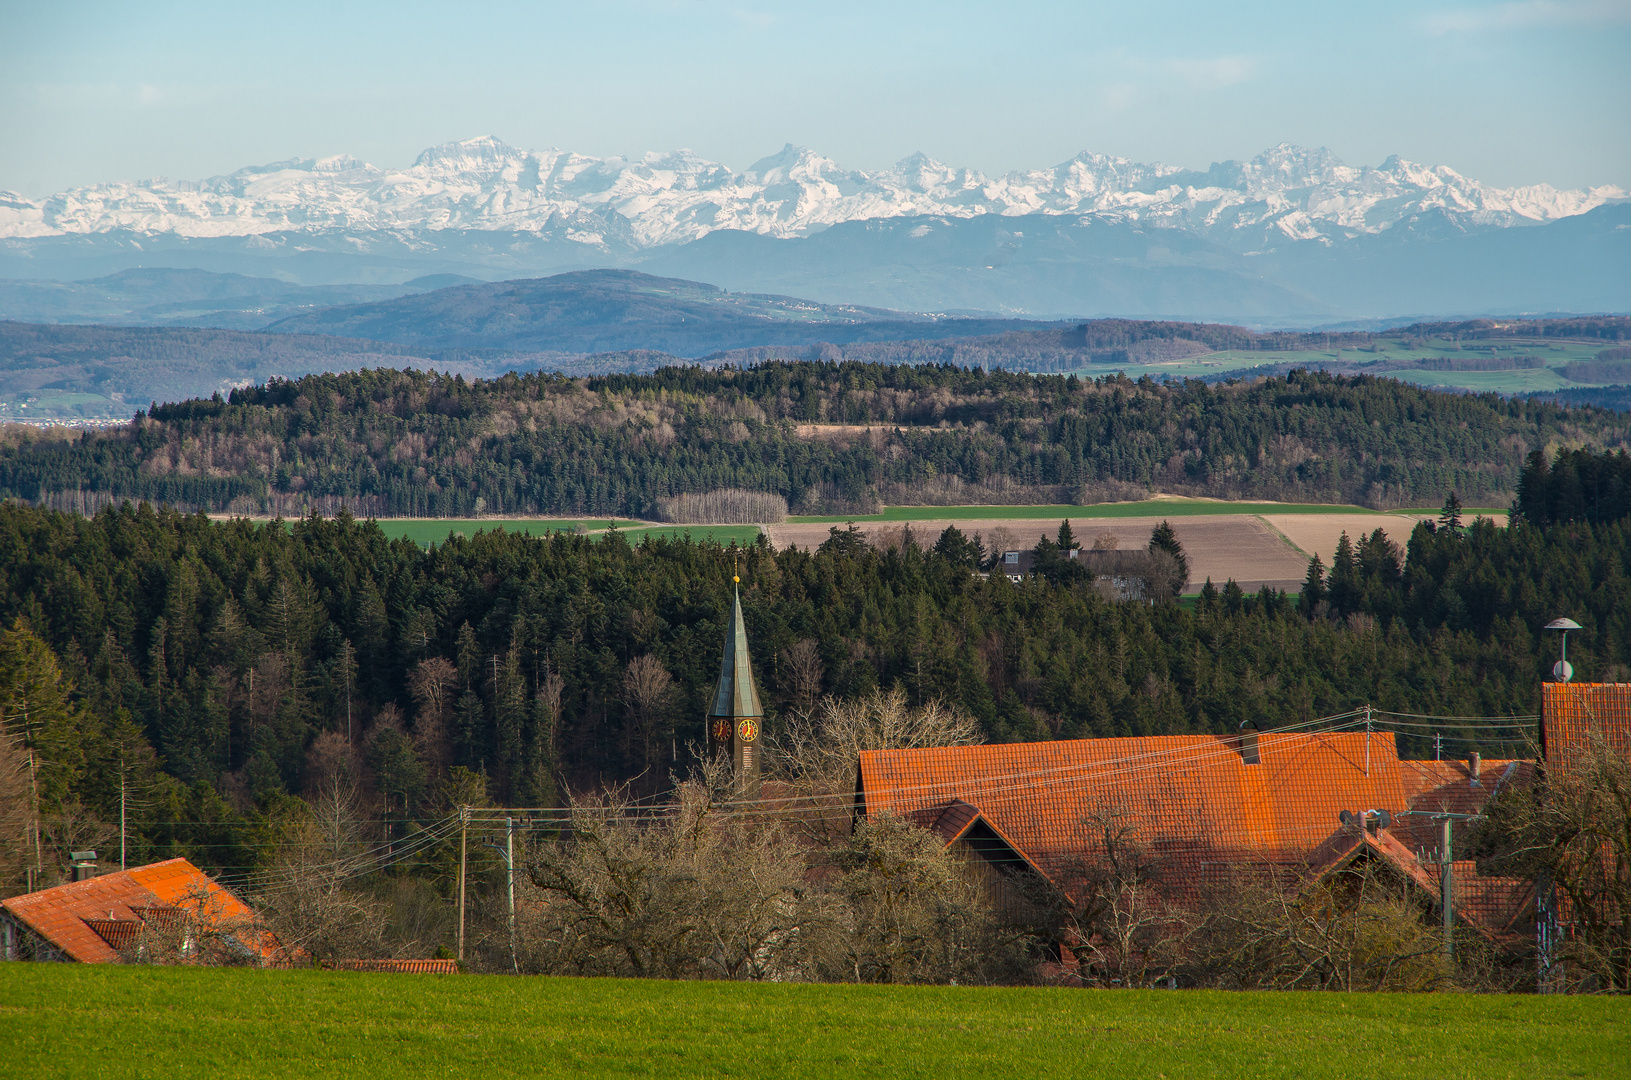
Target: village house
1306 804
167 910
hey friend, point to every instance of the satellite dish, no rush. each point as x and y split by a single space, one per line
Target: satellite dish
1347 817
1562 671
1384 819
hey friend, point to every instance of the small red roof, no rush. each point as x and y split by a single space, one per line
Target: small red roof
416 967
91 920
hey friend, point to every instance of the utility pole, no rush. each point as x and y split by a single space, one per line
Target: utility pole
464 829
121 812
508 851
1446 885
509 862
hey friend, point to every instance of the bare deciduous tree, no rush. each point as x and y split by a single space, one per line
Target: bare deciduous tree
1571 833
1113 915
733 505
904 910
817 754
648 704
802 672
17 811
1275 929
309 901
332 772
690 893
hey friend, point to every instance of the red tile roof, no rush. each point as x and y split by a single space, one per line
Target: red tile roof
1193 801
416 967
90 921
1189 789
1572 714
1492 905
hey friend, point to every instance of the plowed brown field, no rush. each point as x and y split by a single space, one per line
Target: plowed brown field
1239 546
1254 550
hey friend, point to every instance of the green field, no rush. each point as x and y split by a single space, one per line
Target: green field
1529 380
723 535
1147 508
66 1020
423 531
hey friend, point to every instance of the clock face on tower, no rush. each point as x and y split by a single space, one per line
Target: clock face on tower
722 730
748 730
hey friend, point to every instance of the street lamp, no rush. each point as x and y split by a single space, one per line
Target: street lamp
1563 671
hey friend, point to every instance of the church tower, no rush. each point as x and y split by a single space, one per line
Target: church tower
734 720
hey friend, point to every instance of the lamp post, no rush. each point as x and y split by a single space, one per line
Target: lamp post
1563 671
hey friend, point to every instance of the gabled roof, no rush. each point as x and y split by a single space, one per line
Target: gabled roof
1194 802
1491 905
91 920
735 696
1190 795
1573 714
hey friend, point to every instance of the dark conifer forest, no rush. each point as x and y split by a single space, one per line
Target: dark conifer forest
828 437
213 671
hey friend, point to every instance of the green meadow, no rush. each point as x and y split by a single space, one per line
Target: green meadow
1525 381
1163 507
424 531
64 1020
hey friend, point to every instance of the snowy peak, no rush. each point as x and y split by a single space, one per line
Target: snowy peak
484 183
468 155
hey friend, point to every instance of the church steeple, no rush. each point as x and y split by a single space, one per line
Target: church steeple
734 719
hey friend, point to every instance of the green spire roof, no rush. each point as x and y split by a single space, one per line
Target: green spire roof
736 696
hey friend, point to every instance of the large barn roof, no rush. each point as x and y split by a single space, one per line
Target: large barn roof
1192 799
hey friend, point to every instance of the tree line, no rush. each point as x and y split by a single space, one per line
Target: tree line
826 437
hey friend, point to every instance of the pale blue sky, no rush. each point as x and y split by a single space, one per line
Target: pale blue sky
1510 93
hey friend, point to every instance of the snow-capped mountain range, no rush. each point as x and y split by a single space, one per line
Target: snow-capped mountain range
623 205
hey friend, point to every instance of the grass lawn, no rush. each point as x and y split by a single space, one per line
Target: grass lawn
1147 508
67 1020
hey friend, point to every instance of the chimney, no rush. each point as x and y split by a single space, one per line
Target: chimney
1247 744
1472 769
84 864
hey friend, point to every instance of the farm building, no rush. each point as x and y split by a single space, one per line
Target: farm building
165 909
1195 808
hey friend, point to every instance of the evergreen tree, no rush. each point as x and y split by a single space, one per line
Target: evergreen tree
1342 584
1450 517
1165 538
1313 588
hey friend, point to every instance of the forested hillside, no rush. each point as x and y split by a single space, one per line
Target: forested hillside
221 669
828 437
